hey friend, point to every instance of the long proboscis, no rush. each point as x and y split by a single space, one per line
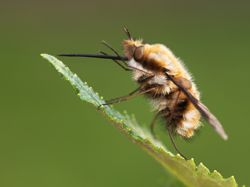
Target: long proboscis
95 56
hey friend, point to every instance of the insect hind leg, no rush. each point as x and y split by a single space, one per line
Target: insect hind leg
153 123
169 123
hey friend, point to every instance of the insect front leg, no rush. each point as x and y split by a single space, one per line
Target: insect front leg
129 95
149 90
124 95
126 69
105 43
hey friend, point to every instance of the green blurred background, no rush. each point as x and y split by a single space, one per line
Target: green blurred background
48 137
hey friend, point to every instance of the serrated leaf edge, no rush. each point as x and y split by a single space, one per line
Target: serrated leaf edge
148 144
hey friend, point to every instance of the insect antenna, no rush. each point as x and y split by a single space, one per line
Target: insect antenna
128 34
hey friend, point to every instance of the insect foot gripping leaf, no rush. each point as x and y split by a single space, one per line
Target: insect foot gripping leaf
185 171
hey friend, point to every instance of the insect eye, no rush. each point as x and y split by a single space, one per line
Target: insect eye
138 55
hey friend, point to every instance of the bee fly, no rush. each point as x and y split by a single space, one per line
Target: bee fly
166 82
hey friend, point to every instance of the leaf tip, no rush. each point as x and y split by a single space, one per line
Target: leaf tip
44 55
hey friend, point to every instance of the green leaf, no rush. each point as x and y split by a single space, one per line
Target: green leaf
185 171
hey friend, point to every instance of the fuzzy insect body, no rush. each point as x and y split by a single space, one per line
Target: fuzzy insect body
166 82
156 58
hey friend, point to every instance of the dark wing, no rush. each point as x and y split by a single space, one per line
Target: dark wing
205 112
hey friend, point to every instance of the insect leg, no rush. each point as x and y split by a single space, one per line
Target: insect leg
169 122
153 123
145 79
126 69
151 74
124 95
151 89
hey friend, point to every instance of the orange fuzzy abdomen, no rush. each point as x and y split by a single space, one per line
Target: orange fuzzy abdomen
185 118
